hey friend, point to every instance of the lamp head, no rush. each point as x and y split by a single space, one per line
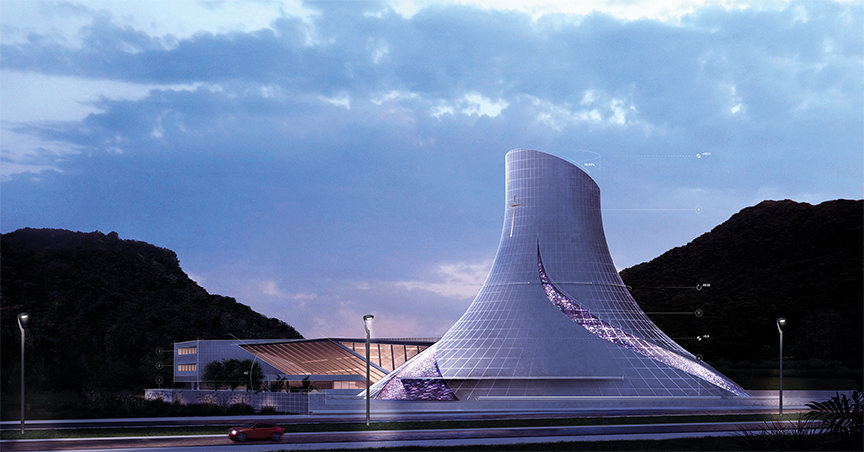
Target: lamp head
367 321
781 322
23 318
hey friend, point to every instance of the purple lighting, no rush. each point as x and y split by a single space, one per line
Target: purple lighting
617 336
418 379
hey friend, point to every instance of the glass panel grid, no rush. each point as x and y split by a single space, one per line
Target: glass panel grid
511 329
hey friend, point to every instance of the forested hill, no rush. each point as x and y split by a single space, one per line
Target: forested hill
775 259
102 306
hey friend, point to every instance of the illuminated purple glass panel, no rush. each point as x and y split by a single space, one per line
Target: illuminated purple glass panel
418 379
615 335
427 389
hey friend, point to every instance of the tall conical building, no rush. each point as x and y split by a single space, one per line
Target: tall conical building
553 318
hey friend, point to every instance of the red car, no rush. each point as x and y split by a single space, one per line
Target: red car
256 430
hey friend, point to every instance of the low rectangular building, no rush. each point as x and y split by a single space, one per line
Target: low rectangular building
325 363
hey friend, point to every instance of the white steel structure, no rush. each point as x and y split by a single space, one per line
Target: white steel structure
553 318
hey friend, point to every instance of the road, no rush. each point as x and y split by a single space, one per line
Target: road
393 438
229 421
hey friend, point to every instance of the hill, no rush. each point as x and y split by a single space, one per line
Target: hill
775 259
102 306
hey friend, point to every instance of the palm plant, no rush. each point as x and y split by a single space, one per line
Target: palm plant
840 416
780 435
753 439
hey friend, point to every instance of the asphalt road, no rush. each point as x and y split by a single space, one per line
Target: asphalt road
394 438
229 421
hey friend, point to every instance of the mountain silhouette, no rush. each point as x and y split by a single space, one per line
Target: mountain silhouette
775 259
103 308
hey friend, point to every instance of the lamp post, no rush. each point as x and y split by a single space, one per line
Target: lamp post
367 323
781 322
23 318
255 356
252 368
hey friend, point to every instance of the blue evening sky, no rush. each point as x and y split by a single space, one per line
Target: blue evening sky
321 160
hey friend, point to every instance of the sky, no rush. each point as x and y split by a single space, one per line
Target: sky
322 160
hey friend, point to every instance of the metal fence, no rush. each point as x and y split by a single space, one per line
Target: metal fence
286 402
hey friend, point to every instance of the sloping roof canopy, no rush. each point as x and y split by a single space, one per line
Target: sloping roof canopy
336 359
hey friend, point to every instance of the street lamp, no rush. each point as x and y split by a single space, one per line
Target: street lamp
255 356
367 323
781 322
23 318
251 369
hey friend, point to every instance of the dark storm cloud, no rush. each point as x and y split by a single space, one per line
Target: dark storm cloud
672 71
721 81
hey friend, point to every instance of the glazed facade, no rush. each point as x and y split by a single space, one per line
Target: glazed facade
553 317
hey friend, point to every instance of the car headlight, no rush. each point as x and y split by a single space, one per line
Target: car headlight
233 432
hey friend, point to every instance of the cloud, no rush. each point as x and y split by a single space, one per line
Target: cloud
507 56
23 153
597 80
271 288
471 104
665 10
459 280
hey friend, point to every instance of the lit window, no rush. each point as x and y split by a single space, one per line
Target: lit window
187 350
349 385
187 367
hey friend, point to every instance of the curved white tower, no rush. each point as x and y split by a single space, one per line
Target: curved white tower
553 317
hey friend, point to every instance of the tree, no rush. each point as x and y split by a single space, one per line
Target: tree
234 373
305 386
214 372
279 385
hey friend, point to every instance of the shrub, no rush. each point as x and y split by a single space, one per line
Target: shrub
747 439
204 409
240 408
779 436
840 417
268 410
